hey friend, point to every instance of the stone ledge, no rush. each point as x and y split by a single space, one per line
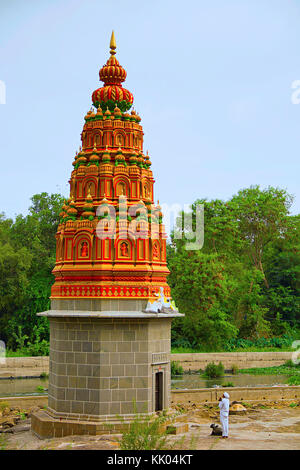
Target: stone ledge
45 426
106 314
207 395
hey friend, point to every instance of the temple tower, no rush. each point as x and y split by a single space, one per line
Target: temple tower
110 316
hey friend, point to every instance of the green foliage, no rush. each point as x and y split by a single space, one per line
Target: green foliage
234 369
144 433
3 405
294 380
284 341
228 384
3 441
199 290
176 368
27 257
241 291
290 363
274 370
44 376
213 370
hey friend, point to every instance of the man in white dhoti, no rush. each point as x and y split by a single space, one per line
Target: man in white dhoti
224 413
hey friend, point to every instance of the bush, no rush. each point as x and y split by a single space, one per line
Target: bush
293 405
44 376
290 363
228 384
144 433
176 368
234 369
284 341
213 370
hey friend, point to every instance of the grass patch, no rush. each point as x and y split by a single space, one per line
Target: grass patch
246 405
22 415
3 405
26 352
275 370
182 350
294 380
3 442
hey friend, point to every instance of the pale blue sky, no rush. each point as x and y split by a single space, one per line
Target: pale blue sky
211 80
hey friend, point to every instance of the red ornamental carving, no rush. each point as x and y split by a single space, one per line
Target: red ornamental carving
155 251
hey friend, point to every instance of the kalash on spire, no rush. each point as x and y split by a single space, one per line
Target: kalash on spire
111 242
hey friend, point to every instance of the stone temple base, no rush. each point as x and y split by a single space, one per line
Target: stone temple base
104 368
45 426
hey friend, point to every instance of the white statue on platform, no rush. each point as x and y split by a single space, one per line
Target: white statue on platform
161 304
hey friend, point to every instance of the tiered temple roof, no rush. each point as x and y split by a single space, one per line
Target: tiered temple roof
111 241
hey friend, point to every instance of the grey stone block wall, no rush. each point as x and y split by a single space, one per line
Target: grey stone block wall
100 367
116 305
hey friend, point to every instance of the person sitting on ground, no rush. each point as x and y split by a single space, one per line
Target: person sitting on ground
224 413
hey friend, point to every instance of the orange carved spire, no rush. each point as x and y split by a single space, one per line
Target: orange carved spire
106 243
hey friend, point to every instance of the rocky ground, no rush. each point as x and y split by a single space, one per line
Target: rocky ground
272 426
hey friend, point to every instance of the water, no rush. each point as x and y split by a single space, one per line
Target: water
240 380
23 387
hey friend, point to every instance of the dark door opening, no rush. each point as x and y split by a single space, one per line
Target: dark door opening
158 391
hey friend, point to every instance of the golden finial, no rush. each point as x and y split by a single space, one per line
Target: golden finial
112 44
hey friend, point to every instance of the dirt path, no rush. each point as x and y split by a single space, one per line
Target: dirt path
268 429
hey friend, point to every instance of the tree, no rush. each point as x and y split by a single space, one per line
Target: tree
254 242
262 217
27 257
198 287
282 261
14 267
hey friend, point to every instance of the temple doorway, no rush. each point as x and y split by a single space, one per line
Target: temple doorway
159 391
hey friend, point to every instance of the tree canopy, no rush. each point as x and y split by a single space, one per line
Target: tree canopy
244 282
242 285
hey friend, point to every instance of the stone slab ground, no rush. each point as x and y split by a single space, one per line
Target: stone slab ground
276 428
